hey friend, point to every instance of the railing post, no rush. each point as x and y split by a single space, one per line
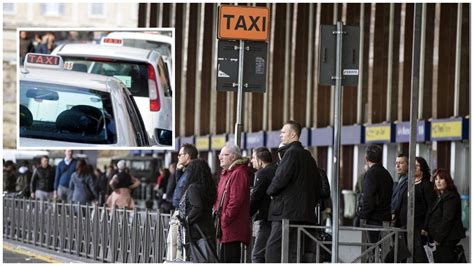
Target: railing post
285 240
105 239
134 243
123 246
95 232
71 227
78 231
158 238
114 234
365 233
55 225
12 217
146 236
23 225
87 243
395 248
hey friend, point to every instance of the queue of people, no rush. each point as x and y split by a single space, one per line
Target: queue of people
213 215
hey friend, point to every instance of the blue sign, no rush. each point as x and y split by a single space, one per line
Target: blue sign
304 138
184 140
273 139
255 140
322 137
403 131
352 135
231 138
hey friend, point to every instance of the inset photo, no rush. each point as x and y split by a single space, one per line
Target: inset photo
100 88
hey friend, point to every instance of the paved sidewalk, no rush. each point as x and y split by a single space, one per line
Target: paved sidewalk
16 252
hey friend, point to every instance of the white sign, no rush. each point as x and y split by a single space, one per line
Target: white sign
350 72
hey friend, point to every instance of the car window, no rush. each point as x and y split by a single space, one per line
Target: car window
133 75
164 78
136 120
161 47
66 113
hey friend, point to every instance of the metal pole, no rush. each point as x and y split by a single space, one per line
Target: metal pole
413 125
337 144
238 123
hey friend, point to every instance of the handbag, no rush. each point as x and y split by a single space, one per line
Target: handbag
217 214
201 251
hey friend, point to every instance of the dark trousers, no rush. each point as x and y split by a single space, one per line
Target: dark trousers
418 243
273 248
230 252
258 252
445 252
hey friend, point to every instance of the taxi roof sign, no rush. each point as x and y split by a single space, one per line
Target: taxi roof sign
111 41
243 23
43 61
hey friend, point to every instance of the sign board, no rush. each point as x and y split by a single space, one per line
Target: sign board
217 142
202 143
350 55
380 133
255 66
449 129
243 23
403 131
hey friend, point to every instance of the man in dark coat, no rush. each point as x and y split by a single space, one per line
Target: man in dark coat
294 190
377 191
260 201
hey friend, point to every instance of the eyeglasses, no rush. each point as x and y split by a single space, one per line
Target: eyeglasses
181 154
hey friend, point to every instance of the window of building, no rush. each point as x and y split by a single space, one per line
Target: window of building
97 10
9 8
52 9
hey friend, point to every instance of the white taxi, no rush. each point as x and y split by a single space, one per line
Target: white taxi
142 71
67 109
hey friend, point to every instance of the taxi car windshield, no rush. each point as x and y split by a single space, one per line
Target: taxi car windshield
66 113
133 75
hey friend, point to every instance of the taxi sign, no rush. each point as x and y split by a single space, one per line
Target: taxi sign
243 23
43 61
111 41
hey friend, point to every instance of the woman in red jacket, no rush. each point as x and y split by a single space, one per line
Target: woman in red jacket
233 200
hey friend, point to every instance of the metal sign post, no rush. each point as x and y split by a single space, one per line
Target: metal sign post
415 82
238 123
337 143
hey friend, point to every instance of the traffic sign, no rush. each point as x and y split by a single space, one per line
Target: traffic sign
243 23
350 56
255 66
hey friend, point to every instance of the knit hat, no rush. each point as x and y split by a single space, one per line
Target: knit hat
121 165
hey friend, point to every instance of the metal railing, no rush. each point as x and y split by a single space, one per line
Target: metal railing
370 252
97 233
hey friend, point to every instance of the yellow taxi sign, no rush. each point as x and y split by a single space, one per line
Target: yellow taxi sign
243 23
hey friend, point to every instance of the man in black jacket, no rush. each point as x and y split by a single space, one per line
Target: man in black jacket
295 191
260 201
377 191
42 181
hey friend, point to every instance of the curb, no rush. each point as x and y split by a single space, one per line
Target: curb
41 253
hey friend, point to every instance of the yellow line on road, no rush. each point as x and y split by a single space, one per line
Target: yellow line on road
25 252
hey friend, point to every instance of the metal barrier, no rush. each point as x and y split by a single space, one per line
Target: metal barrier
371 252
98 233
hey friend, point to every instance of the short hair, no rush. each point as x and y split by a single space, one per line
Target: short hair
45 156
294 126
190 149
374 153
233 149
263 154
402 155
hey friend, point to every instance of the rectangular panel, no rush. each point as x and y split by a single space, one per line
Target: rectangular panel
378 133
